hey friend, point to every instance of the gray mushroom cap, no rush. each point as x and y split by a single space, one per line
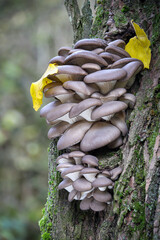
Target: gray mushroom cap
59 111
71 195
129 99
90 160
57 130
122 62
99 135
65 183
118 42
90 44
102 196
108 108
116 143
102 182
109 57
118 120
85 203
82 185
97 206
63 51
60 93
58 59
48 108
117 50
77 156
72 170
68 72
98 50
112 95
105 75
81 57
80 87
84 105
115 172
73 135
91 67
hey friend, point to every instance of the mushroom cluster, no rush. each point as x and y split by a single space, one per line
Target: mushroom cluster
83 180
88 111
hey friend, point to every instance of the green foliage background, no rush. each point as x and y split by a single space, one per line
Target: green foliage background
30 34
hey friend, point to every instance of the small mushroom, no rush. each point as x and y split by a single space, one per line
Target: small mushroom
63 51
91 67
118 120
90 44
89 173
129 99
48 108
115 172
102 182
107 110
66 184
73 135
111 48
84 108
58 59
57 130
72 172
82 185
90 160
109 57
118 42
105 79
97 206
85 203
62 166
72 194
102 196
81 57
99 135
77 156
122 62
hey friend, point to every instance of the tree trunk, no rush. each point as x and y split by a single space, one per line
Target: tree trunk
135 211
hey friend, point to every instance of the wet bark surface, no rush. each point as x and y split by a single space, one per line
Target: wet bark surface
135 211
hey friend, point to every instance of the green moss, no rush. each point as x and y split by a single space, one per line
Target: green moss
125 9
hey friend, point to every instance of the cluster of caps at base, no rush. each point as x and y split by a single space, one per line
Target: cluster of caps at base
84 182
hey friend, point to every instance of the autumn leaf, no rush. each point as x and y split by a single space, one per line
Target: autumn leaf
36 89
138 46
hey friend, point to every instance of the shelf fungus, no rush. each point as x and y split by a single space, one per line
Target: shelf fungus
88 88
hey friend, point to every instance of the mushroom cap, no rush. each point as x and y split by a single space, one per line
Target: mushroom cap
90 44
132 69
116 143
73 135
99 135
102 182
98 50
76 154
129 99
105 75
57 130
97 206
112 95
56 91
118 120
68 72
65 183
85 203
73 169
82 185
71 195
109 57
102 196
48 108
58 59
91 67
78 86
90 160
63 166
51 85
84 105
88 170
81 57
117 50
59 111
115 172
118 42
63 51
122 62
108 108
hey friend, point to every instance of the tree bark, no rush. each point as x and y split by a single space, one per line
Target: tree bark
135 211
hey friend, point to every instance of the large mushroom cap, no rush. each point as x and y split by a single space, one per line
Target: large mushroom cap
68 72
91 44
105 75
102 182
63 51
58 59
90 160
73 135
122 62
99 135
118 42
82 185
84 105
108 108
81 57
102 196
48 108
117 50
57 130
97 206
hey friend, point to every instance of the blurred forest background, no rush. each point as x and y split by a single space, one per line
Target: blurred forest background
30 34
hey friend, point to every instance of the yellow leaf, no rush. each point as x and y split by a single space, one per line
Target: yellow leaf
36 89
138 46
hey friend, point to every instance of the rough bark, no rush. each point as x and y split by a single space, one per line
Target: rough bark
135 211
